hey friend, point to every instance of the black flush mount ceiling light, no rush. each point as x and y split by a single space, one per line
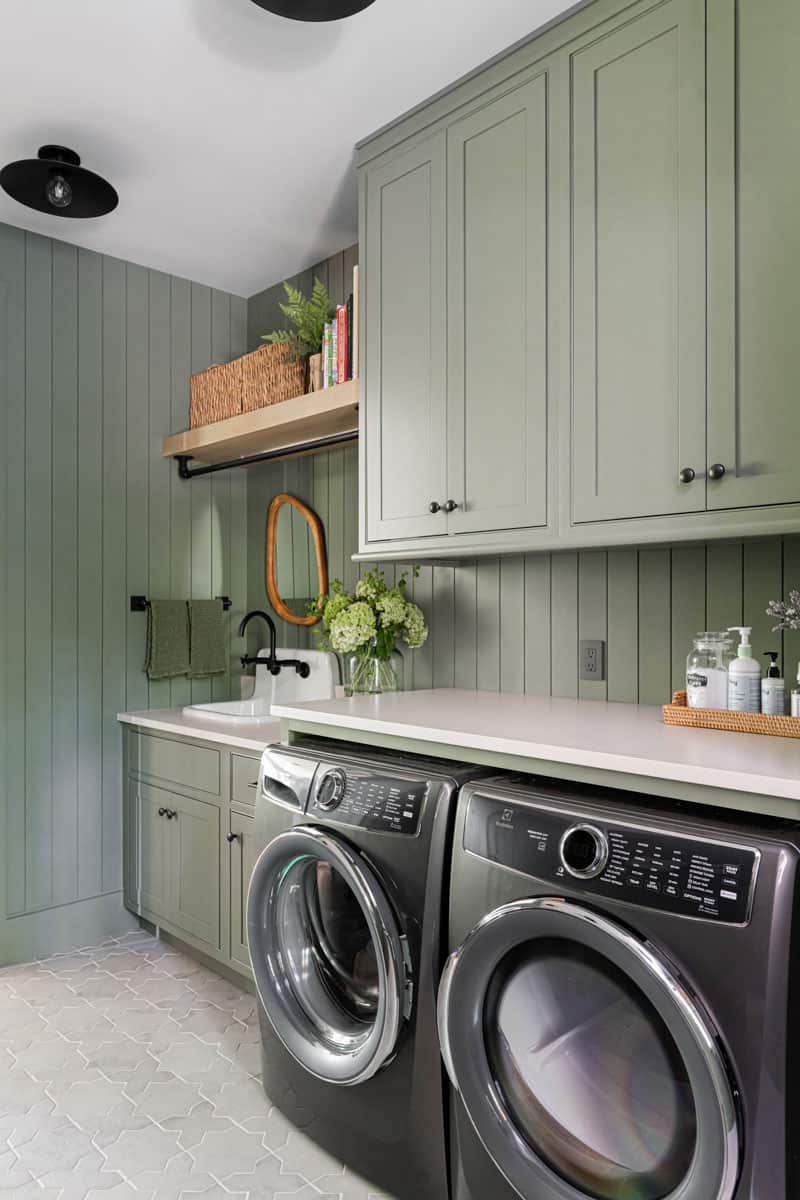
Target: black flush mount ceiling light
314 10
56 183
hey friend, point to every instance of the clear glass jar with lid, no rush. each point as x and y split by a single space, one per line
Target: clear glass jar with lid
707 670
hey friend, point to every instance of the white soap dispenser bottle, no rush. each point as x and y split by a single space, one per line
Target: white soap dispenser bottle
744 675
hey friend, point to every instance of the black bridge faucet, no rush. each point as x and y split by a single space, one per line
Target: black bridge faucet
273 664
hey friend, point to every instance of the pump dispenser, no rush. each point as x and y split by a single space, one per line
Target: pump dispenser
744 675
795 709
773 689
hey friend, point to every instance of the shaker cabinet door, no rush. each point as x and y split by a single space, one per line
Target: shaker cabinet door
153 850
754 252
638 416
194 865
244 852
497 297
404 361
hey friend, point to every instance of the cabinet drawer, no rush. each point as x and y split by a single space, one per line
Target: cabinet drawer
244 779
195 767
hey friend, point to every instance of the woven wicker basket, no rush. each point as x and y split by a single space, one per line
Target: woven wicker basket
269 376
216 394
678 713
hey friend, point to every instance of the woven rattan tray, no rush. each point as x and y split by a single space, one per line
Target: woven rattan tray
678 713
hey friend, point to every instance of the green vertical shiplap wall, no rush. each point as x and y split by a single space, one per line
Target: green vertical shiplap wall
95 357
514 623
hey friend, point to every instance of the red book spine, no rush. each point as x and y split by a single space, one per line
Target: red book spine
341 343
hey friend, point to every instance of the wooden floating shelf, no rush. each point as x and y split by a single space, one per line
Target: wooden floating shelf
291 426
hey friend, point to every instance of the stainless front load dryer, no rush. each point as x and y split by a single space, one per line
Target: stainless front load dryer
620 1010
347 934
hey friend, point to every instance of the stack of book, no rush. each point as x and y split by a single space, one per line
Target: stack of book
340 341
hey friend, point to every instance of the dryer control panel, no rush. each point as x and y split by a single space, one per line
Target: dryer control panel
380 803
688 876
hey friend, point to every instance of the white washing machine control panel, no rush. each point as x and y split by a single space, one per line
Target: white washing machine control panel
688 876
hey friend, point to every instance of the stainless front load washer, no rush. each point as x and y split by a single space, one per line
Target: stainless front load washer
620 1010
347 938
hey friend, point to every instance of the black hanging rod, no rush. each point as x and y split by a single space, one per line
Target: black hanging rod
141 603
323 443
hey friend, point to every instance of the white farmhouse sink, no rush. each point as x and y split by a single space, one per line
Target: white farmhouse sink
257 709
285 688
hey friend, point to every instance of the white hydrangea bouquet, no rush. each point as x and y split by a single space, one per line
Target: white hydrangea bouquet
365 626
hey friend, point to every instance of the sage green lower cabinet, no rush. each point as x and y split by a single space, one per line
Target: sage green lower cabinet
638 284
179 862
154 867
244 851
195 861
188 855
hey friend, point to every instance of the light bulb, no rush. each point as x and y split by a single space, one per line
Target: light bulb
59 191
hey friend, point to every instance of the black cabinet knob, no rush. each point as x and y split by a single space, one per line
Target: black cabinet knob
434 506
162 812
234 837
450 506
686 475
169 813
716 471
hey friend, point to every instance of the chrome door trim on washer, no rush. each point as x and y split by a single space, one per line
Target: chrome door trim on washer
347 1065
461 1005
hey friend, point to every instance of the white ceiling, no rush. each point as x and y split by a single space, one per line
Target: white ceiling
227 131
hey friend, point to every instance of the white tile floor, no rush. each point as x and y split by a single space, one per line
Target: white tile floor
130 1072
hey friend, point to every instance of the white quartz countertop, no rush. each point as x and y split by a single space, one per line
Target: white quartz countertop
246 735
628 738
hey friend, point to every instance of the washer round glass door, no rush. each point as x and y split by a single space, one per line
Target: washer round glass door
586 1067
327 955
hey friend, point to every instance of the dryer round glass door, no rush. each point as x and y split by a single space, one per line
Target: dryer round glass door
585 1065
328 956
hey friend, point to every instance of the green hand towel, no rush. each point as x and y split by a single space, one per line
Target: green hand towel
167 651
207 651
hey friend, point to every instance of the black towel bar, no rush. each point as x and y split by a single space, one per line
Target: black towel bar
141 603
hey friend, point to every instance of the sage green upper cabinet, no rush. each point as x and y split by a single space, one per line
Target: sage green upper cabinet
497 308
581 272
638 286
404 363
754 251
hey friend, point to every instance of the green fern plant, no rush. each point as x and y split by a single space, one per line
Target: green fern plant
308 318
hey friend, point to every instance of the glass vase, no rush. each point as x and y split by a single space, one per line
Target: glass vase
372 674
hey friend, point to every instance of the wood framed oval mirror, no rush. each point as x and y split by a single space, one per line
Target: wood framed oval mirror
297 563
